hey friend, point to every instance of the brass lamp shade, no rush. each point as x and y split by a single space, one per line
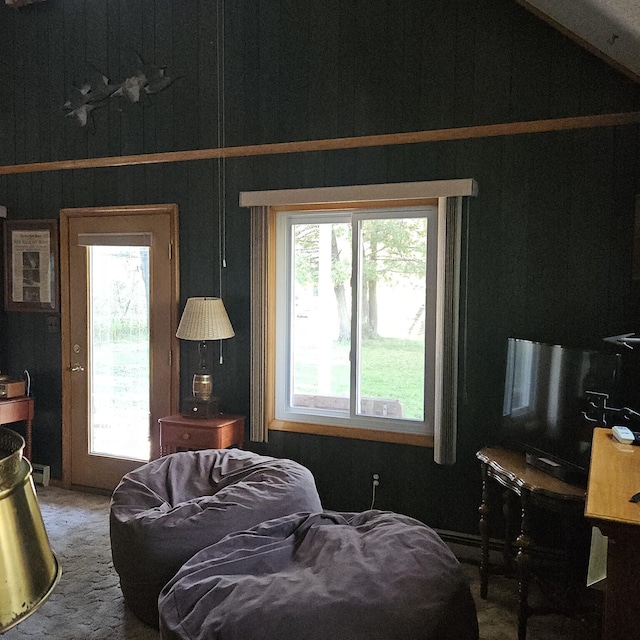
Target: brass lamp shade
29 569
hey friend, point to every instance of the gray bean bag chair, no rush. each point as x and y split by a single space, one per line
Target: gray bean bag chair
169 509
369 576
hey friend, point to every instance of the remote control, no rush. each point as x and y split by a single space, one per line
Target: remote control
623 434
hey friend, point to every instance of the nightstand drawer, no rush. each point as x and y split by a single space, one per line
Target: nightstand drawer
189 437
180 433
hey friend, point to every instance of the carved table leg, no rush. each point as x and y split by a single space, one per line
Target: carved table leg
525 547
484 534
507 549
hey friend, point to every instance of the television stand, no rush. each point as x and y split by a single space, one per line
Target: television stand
535 490
555 469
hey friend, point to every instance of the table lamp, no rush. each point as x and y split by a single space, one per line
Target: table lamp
203 319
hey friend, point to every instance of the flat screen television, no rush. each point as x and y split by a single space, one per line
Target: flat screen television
545 402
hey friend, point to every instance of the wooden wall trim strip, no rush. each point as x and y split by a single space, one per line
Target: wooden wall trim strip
332 144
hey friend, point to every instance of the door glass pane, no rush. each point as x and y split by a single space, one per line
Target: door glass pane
391 325
119 351
321 316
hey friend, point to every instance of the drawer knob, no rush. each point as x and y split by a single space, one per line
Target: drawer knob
186 436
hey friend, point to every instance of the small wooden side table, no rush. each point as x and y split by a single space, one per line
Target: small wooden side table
19 409
180 433
535 489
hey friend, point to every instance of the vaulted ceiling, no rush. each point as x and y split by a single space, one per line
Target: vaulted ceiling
608 28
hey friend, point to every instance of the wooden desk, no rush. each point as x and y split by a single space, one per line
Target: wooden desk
535 489
19 410
614 476
180 433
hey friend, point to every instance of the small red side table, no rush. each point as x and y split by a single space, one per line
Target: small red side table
19 410
180 433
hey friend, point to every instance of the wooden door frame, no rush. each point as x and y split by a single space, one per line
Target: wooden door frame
65 307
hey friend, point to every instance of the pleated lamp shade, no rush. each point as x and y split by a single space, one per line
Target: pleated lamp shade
204 319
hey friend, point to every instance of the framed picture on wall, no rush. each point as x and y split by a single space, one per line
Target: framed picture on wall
31 265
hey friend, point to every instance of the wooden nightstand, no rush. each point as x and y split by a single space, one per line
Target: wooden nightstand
179 433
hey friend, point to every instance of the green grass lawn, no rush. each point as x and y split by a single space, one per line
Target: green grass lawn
391 368
121 370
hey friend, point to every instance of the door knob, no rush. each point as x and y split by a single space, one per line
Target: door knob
76 366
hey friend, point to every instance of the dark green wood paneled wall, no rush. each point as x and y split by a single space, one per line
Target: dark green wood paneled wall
548 239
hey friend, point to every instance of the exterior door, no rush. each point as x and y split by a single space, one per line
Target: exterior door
119 285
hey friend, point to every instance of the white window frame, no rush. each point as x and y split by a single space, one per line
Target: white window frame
450 194
283 391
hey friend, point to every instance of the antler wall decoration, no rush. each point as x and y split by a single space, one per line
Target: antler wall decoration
147 79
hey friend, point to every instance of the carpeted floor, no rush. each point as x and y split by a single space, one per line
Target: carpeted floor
87 603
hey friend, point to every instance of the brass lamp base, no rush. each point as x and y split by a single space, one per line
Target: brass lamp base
198 408
202 386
